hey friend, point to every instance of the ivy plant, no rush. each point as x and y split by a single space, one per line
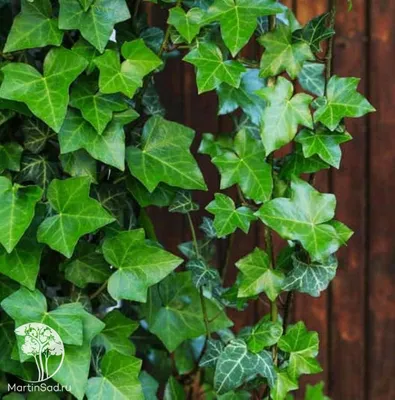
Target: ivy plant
87 152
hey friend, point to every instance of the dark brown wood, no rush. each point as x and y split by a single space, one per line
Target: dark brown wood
347 315
380 324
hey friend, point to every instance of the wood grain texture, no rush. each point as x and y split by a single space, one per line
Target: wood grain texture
381 267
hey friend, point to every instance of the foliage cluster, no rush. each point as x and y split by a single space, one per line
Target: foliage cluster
85 152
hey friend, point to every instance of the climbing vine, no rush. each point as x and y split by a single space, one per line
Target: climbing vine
86 153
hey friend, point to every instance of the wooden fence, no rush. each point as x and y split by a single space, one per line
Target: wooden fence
356 316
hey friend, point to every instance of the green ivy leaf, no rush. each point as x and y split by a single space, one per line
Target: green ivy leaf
342 100
284 384
150 386
109 147
23 263
264 334
46 95
86 4
227 217
315 392
296 164
16 200
77 215
246 167
25 306
212 70
231 98
38 169
315 32
140 265
79 163
310 278
214 349
87 51
119 379
95 107
282 53
116 334
187 24
36 135
304 217
183 203
174 312
237 365
238 19
10 156
324 143
77 360
202 274
311 78
283 114
164 156
174 390
128 76
257 276
86 266
34 27
95 23
303 348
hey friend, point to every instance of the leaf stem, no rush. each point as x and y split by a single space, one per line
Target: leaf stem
98 291
194 238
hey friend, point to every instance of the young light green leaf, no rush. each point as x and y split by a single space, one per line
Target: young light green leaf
187 24
86 266
283 114
264 334
238 19
46 95
95 23
284 384
236 365
17 205
77 215
140 265
342 100
311 78
227 217
231 98
34 27
304 217
212 70
282 53
303 348
315 392
116 334
246 166
95 107
10 156
128 76
310 278
164 156
109 147
174 312
257 276
324 143
119 379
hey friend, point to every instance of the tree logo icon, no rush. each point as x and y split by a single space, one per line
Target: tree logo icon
46 347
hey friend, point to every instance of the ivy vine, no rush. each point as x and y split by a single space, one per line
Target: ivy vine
86 151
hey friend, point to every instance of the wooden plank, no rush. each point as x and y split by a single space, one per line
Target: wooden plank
381 268
313 311
347 345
